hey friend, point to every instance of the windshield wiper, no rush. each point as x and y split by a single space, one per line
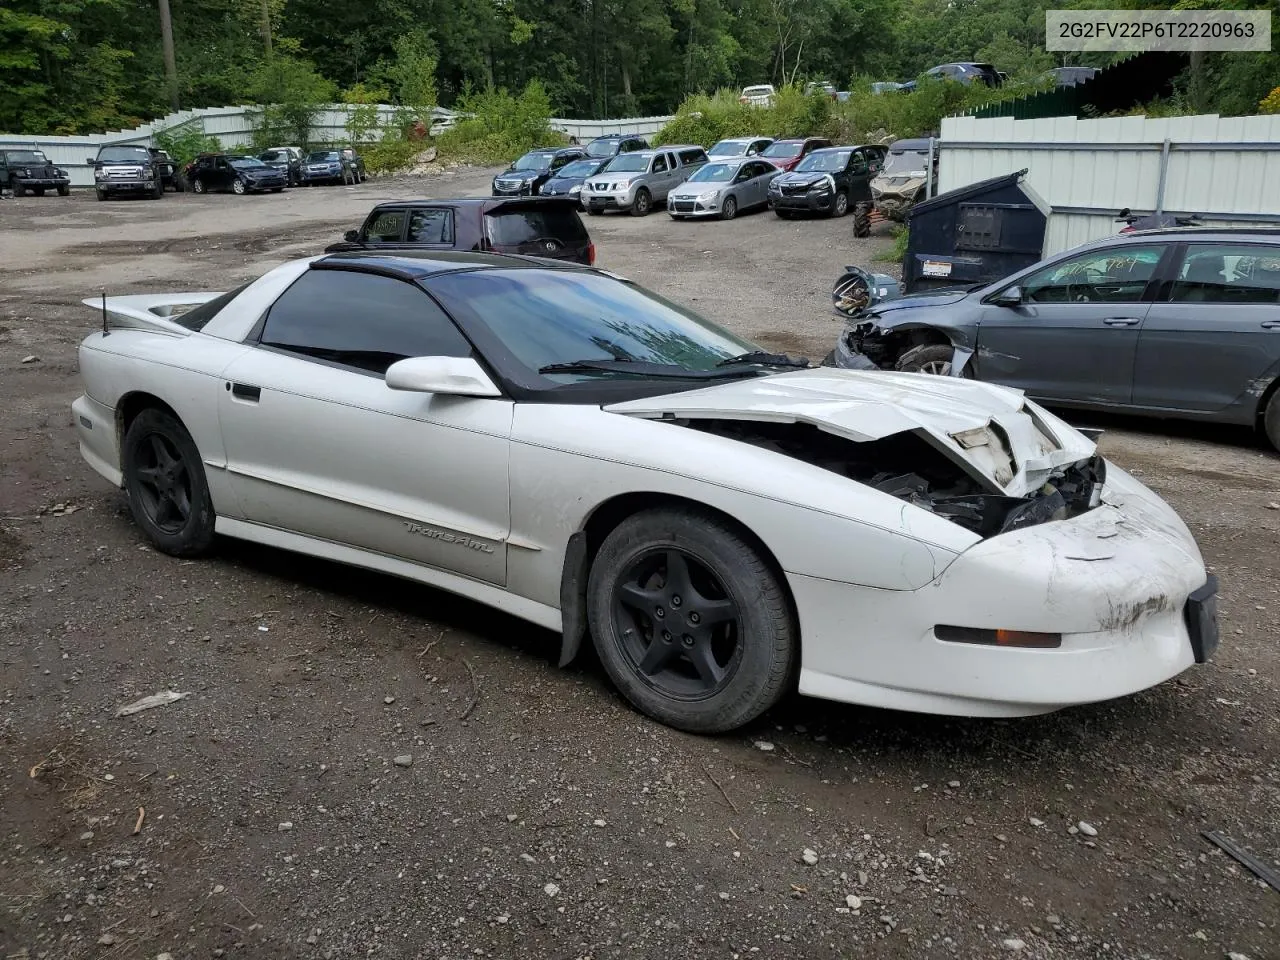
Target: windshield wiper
764 359
639 368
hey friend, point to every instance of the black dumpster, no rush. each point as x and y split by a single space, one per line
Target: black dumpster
976 234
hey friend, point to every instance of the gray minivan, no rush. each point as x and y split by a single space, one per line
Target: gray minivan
636 181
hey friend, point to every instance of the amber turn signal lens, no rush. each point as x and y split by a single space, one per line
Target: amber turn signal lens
999 638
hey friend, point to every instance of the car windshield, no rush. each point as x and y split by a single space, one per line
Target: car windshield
246 163
782 149
27 156
135 154
523 225
533 161
546 317
321 155
602 148
579 168
906 163
824 162
728 148
714 173
628 163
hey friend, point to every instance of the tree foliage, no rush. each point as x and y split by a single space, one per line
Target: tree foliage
84 65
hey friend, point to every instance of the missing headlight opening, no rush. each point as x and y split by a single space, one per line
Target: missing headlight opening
908 467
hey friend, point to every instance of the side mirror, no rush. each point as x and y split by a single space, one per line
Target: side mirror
448 376
1011 297
91 160
351 236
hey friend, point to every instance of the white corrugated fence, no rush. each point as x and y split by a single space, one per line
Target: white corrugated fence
234 129
1224 169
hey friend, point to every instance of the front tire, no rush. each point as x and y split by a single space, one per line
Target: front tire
689 621
839 204
643 201
18 189
594 211
197 185
932 358
164 478
730 209
862 220
157 192
64 191
238 187
39 191
101 196
1271 420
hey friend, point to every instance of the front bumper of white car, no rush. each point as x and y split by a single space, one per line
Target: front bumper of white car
1115 583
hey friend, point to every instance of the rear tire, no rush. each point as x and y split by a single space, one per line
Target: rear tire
1271 420
934 358
164 478
713 672
643 201
862 220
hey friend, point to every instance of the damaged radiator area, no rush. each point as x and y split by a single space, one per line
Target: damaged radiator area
909 467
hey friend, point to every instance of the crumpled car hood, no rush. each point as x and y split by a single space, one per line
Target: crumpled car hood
989 431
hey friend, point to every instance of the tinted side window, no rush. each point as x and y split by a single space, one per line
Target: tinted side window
1229 273
659 163
1112 276
360 320
386 226
692 156
431 225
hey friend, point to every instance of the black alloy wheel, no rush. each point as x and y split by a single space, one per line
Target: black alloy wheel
165 480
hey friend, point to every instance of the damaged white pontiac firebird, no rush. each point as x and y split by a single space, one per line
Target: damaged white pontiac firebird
725 523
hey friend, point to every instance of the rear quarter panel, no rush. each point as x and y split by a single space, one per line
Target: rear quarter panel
182 372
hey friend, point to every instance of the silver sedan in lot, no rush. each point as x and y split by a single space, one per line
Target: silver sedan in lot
722 188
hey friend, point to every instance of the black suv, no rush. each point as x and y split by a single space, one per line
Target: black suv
830 181
23 170
612 144
527 174
126 168
532 226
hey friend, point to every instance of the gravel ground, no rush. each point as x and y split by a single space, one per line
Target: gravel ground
362 767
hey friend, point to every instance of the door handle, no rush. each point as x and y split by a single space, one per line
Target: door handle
243 391
1121 321
1271 324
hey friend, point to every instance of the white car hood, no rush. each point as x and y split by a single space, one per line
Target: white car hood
957 416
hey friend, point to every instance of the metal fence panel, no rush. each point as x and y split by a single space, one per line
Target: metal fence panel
233 126
1225 169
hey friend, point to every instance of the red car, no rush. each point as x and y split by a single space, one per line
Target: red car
785 154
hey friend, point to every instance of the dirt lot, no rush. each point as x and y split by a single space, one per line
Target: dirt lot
540 816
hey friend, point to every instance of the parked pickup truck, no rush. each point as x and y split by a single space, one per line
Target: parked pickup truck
23 170
636 181
126 169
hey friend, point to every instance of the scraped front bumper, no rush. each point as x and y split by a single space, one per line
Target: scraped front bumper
1124 585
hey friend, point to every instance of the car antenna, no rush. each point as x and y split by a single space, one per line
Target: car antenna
105 331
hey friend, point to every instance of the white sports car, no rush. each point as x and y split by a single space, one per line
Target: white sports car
726 524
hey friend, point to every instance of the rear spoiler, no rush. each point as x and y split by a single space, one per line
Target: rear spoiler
153 312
